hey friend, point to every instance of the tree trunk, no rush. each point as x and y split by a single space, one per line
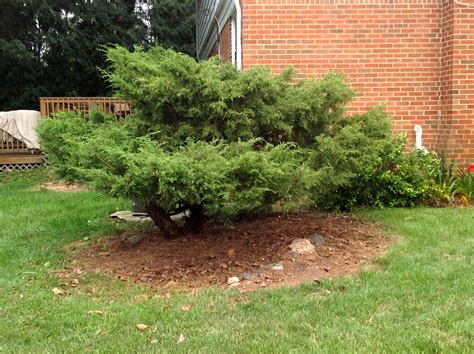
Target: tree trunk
163 220
196 219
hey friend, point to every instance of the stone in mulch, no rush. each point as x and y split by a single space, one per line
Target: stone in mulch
248 276
233 281
130 216
302 246
276 266
317 239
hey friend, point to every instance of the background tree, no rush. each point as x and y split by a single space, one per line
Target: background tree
76 52
173 25
20 69
53 47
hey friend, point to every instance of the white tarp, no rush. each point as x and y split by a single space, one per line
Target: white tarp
22 126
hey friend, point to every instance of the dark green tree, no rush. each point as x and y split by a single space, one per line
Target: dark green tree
173 25
53 47
20 68
74 57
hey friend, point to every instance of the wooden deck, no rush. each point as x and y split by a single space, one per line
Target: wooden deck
109 105
15 152
15 155
18 159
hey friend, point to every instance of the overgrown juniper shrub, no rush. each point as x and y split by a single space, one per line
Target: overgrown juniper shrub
224 143
211 178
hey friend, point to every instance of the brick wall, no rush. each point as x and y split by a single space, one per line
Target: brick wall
414 56
456 133
226 41
224 46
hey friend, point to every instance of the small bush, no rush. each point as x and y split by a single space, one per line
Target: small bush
465 185
389 177
399 179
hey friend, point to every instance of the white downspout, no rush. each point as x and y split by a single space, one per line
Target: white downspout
419 138
238 30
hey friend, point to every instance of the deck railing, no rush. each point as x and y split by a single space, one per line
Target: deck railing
14 154
51 105
11 145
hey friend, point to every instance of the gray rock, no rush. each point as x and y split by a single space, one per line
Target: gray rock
276 266
248 276
130 216
302 246
135 239
317 239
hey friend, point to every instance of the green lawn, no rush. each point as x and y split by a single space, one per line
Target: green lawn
419 299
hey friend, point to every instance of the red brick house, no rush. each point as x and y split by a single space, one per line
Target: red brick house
414 56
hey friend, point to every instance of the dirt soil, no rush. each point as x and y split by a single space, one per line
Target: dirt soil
60 187
246 250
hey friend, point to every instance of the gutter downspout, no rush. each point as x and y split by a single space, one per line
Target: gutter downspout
238 30
419 138
198 44
218 38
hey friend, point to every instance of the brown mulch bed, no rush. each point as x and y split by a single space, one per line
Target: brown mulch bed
247 248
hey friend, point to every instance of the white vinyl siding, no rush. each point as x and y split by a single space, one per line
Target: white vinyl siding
211 16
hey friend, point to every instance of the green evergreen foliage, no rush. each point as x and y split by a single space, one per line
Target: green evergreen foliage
228 180
176 97
63 137
210 138
173 25
345 152
225 143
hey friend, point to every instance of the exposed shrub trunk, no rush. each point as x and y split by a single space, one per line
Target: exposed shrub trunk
196 219
163 220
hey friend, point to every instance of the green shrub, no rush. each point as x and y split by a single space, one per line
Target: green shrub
465 185
62 139
342 156
397 178
223 143
176 98
215 179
